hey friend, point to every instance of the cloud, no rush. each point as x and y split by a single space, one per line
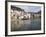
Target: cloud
29 8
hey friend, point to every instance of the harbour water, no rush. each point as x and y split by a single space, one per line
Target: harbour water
26 25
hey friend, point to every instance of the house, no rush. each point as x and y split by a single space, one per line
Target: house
17 12
38 14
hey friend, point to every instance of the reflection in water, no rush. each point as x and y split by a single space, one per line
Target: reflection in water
23 25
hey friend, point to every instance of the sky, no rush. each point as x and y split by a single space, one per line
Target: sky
29 8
